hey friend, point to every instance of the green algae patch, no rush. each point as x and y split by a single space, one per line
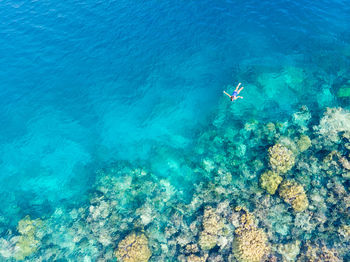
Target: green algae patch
270 181
344 92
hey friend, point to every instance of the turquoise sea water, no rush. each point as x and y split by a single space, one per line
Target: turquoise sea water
113 120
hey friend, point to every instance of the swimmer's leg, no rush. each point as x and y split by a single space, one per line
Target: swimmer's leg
237 86
240 90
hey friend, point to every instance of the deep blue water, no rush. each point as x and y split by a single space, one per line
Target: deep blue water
87 82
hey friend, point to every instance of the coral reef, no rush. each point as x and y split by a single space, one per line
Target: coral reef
344 231
250 243
270 181
281 158
303 143
301 119
277 220
28 242
345 162
133 248
319 253
197 222
294 194
334 121
289 251
212 228
193 258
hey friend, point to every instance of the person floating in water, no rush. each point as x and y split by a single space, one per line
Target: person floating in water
235 94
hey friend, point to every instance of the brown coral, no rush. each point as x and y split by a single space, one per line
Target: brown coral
250 244
212 228
133 248
294 194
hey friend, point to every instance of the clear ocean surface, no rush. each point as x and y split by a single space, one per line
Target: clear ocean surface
85 84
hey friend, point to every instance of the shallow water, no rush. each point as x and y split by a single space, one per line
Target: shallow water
85 84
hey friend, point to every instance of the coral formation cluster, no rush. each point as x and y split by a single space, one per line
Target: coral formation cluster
304 143
133 248
333 123
294 194
28 241
250 243
212 228
270 181
289 251
140 213
319 253
281 158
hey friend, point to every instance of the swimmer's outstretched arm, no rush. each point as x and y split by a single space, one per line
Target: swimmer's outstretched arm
237 97
237 86
227 94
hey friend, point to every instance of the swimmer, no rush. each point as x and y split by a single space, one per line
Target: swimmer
235 94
